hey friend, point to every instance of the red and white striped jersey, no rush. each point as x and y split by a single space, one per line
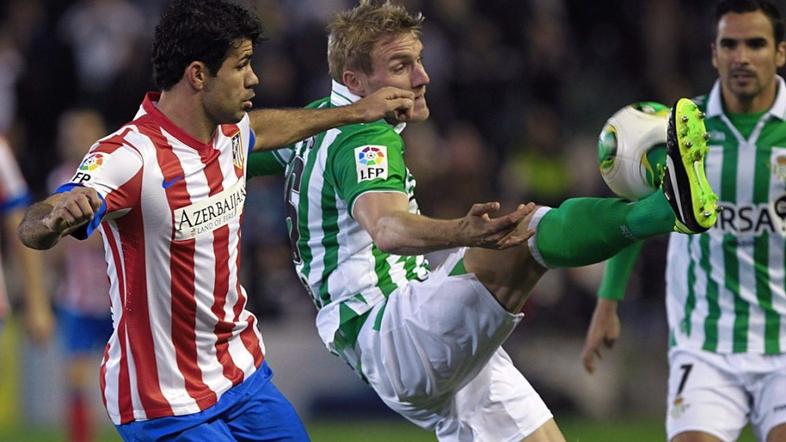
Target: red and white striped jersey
13 194
171 228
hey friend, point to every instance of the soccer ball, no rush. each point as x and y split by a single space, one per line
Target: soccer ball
623 147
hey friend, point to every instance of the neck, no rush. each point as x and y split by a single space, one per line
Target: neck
751 105
185 110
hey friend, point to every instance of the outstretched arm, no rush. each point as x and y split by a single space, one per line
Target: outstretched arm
46 222
394 229
277 128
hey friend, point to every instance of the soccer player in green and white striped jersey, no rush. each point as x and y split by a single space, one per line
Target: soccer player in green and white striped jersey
726 293
428 340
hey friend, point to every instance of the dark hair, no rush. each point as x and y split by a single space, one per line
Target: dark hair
741 6
198 30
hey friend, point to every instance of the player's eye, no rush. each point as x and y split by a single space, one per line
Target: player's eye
727 43
757 43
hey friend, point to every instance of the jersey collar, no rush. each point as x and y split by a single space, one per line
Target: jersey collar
778 109
341 96
150 108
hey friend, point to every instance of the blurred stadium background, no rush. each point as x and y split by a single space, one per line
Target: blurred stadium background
519 91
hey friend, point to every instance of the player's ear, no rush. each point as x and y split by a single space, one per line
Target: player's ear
355 81
780 54
196 75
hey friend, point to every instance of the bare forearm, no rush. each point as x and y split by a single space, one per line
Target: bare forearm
276 128
33 232
405 233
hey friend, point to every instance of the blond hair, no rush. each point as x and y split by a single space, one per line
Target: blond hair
354 33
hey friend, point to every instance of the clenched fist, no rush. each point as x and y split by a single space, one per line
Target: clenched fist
73 209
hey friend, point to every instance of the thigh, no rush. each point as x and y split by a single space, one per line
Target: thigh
498 404
704 396
266 416
433 337
769 402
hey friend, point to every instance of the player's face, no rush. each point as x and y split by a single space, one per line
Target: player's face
227 95
746 55
398 61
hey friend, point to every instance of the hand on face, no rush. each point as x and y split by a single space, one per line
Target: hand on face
73 209
391 103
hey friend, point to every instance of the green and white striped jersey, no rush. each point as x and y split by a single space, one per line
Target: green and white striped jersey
726 290
345 273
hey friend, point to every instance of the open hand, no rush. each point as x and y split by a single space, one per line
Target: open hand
481 230
391 103
73 209
604 329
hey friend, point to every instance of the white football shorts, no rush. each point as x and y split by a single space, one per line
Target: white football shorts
719 393
434 356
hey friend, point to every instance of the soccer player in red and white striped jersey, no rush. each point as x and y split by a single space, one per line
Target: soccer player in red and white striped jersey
166 191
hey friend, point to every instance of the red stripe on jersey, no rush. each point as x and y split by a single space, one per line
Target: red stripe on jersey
125 405
249 338
136 312
183 297
229 129
223 328
251 341
111 144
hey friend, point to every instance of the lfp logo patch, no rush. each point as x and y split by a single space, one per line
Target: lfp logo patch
371 162
92 162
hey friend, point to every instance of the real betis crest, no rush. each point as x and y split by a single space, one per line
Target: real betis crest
778 168
777 206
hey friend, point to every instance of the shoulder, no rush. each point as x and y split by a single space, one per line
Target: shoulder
377 133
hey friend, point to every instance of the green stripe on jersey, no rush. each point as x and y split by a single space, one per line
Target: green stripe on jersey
382 270
713 308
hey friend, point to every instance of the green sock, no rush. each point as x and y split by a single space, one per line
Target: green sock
584 231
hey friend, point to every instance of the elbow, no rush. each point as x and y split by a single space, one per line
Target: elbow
386 240
386 244
31 241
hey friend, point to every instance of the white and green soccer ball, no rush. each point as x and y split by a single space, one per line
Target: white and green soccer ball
626 139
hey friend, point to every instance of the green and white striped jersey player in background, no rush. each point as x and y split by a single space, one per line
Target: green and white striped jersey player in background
726 292
429 340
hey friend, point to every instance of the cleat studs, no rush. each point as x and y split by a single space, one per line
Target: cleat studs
706 137
689 144
684 118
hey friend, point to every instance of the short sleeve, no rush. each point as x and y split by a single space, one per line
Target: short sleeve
115 172
369 161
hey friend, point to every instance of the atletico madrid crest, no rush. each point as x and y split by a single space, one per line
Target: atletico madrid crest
238 156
